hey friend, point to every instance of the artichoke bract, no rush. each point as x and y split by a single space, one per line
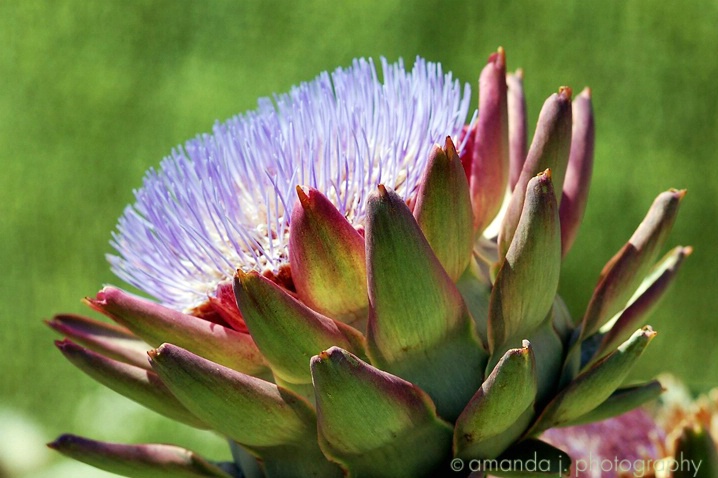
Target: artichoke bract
353 281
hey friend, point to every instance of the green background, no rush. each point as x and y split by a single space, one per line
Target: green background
94 93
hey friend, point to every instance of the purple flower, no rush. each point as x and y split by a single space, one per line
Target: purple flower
224 200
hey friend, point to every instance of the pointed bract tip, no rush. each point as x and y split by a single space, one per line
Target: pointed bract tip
165 348
62 343
519 73
332 353
565 92
687 250
105 292
102 298
62 442
449 147
382 191
649 332
94 302
303 197
522 351
545 174
240 275
498 58
54 445
679 193
586 92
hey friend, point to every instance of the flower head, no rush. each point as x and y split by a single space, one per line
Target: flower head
344 308
224 200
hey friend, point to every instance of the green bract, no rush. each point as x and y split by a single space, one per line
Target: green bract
391 331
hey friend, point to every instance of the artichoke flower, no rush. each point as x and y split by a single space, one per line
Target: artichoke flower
352 281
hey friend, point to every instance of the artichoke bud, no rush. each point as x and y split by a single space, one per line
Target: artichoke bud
579 170
621 401
249 410
110 340
549 150
156 324
374 423
157 461
649 293
443 210
518 125
287 332
486 156
593 386
624 272
326 254
274 424
501 409
527 279
138 384
419 327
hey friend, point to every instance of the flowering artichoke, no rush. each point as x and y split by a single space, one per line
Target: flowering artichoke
339 295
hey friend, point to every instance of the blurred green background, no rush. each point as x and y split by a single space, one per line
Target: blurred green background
94 93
